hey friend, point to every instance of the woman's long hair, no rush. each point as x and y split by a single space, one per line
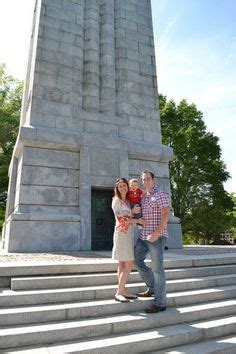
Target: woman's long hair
116 192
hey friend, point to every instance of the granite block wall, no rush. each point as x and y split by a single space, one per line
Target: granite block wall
89 115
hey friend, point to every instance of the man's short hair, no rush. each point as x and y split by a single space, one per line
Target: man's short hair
147 171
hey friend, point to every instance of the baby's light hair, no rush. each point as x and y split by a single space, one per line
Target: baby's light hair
133 180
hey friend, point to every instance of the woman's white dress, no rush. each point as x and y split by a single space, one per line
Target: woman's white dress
123 238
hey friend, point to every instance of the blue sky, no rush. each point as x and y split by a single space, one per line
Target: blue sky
196 55
195 44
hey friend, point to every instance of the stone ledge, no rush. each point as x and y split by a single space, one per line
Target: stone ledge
70 140
43 217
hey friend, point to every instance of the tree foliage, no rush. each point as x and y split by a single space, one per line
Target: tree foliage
197 172
10 104
233 197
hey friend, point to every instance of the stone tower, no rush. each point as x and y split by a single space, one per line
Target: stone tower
89 115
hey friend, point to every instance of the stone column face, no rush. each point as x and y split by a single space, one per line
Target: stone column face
91 87
54 84
95 56
135 70
89 115
107 63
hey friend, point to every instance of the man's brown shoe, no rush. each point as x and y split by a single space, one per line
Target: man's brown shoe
154 308
146 293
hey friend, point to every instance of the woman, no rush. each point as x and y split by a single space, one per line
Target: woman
123 247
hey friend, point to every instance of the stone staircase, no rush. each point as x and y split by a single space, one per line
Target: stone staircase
70 308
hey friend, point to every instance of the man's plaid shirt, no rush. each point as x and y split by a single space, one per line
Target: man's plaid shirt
152 203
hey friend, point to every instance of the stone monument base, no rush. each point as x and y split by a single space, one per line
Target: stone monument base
53 174
175 239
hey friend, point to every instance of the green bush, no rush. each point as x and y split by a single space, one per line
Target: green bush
2 217
188 239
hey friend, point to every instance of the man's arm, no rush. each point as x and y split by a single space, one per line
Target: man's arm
163 223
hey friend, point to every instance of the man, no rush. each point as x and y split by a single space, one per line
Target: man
156 211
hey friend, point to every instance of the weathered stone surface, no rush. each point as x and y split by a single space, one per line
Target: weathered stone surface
89 115
46 236
103 163
159 169
51 158
39 175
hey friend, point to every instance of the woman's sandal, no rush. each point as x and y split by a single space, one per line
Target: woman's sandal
121 298
131 297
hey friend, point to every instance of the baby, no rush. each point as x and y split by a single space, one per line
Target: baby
134 195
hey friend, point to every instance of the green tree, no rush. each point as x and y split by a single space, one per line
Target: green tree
10 104
233 197
197 172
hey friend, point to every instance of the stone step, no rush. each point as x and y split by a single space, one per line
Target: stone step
72 307
80 267
202 295
101 265
12 298
105 291
50 282
88 309
226 345
52 332
200 282
144 341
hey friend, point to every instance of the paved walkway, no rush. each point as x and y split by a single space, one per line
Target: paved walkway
187 252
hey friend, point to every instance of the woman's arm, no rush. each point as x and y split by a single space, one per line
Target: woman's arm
123 219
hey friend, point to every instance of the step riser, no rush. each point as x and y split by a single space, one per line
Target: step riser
33 317
109 279
94 267
200 284
72 313
75 313
159 343
199 272
100 294
107 266
207 297
171 287
222 345
104 329
87 311
220 331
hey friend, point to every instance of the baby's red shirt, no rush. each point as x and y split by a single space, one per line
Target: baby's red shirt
135 196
